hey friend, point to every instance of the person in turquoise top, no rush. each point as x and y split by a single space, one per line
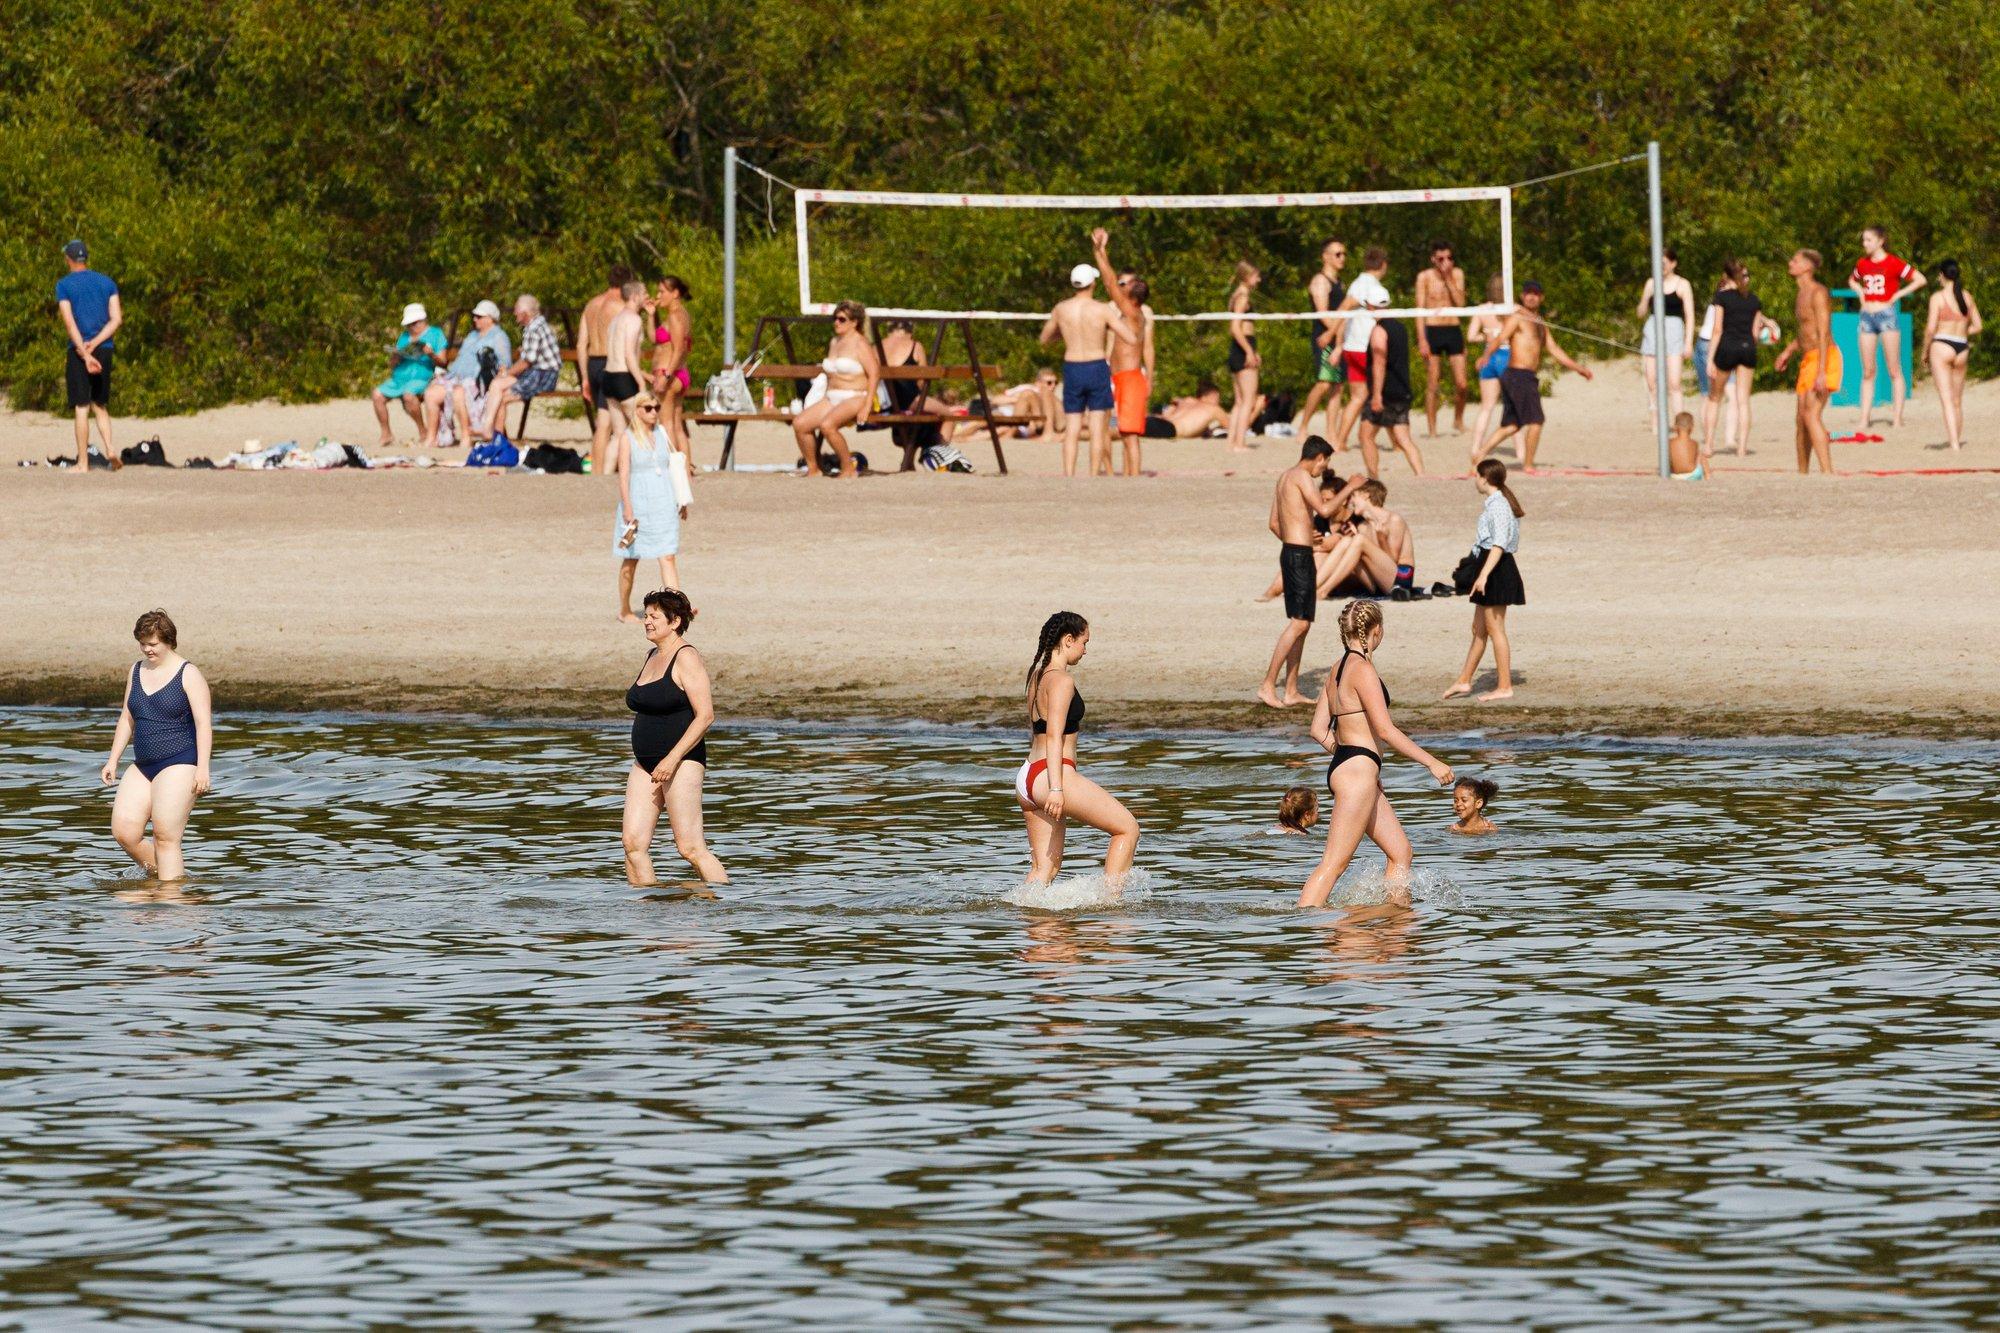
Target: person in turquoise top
459 387
412 366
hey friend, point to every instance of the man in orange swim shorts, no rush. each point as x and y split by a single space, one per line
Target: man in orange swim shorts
1131 363
1819 366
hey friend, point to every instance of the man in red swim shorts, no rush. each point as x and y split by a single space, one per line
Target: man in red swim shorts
1367 293
1131 362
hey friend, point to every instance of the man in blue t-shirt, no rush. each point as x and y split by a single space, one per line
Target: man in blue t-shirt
91 314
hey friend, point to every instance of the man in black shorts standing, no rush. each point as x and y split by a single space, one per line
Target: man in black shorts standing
1525 335
1298 499
1388 396
1441 338
91 313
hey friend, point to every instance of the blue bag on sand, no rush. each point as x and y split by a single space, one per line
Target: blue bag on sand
497 452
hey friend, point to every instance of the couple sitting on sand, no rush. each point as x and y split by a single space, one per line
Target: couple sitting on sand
1362 548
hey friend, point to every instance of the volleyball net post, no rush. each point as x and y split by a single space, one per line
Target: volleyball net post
1660 357
729 255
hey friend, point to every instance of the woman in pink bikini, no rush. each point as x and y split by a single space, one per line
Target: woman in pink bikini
672 329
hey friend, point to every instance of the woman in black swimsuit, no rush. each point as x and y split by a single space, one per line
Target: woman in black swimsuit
671 714
1353 712
1049 789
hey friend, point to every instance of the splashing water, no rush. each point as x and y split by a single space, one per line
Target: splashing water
1075 893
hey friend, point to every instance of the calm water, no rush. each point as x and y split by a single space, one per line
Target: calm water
1706 1036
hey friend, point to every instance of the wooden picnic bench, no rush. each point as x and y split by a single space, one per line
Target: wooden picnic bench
901 425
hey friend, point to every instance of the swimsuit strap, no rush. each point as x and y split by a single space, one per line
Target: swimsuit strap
1345 653
668 674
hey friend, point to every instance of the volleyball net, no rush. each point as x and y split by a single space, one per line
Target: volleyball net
813 206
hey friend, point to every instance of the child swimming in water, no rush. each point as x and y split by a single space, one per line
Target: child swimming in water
1298 810
1468 801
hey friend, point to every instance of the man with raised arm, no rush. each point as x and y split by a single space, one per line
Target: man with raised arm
1131 362
593 343
1525 334
1441 338
1326 293
1087 327
1819 367
1298 500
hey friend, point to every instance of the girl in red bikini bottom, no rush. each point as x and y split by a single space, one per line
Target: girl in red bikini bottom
1049 787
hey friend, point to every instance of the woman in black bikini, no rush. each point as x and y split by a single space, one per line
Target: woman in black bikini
672 712
1050 790
1353 712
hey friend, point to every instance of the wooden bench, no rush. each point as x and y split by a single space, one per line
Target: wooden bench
898 423
463 316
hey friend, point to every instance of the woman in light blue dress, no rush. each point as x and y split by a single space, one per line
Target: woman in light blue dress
649 512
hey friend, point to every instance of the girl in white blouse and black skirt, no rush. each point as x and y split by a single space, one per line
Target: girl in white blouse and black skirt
1498 584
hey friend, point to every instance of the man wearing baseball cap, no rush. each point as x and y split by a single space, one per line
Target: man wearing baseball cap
91 314
413 364
1086 326
463 386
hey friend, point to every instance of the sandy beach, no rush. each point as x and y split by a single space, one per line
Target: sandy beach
1756 603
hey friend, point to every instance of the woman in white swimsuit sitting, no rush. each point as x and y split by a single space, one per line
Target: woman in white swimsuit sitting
852 373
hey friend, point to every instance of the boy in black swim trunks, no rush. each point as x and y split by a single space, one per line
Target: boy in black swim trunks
1298 499
1441 337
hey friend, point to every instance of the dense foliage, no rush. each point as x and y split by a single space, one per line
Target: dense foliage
269 180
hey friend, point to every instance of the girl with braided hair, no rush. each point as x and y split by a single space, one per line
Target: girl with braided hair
1049 788
1352 713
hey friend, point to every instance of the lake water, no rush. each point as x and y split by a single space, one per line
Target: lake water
1705 1036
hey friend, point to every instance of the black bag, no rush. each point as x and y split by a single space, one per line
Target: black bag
489 366
554 458
146 453
1467 572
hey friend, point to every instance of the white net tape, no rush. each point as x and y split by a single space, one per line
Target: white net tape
1500 194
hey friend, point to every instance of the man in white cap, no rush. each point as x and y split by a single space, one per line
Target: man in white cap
482 356
91 313
1086 326
533 373
413 364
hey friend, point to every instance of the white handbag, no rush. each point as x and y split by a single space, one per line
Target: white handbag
728 389
677 477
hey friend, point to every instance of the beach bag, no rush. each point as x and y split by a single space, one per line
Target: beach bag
146 453
489 366
728 389
496 452
944 458
677 477
1467 571
555 459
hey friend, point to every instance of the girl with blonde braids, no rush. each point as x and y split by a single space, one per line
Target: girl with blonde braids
1048 786
1352 713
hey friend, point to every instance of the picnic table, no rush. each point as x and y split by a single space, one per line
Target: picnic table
900 424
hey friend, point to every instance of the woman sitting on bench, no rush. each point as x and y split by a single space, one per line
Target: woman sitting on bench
852 373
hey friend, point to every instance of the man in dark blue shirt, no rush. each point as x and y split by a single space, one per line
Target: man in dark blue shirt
91 314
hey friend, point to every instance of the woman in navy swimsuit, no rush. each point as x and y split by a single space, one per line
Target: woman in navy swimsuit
1353 712
166 720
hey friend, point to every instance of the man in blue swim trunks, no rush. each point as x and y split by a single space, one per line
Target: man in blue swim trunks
1086 326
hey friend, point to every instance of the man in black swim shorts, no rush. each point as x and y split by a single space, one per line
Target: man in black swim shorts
1526 336
1299 497
1440 337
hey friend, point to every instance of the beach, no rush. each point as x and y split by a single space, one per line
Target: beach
1758 603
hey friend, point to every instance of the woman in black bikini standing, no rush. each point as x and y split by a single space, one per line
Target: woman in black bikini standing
672 712
1949 328
1352 720
1050 790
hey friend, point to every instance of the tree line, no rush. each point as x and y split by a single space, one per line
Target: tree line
269 180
